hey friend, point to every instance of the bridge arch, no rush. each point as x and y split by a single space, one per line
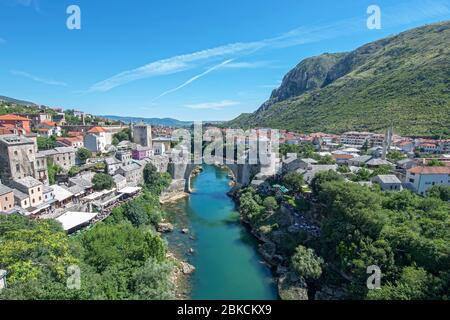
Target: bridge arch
242 173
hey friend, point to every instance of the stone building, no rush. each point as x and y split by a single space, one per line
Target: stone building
17 158
6 198
31 187
133 173
64 157
142 134
125 157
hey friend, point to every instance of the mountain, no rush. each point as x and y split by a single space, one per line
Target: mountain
16 101
403 81
166 122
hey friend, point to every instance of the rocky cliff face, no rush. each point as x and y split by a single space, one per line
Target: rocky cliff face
400 81
310 74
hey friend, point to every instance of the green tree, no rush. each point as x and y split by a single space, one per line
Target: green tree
395 156
294 181
31 248
270 203
107 245
124 135
306 263
435 163
382 170
46 143
362 175
53 169
322 177
74 171
440 191
155 181
83 154
152 281
412 285
102 181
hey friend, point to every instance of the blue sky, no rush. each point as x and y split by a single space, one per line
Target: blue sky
190 60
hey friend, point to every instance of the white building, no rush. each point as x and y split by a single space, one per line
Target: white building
354 138
423 178
159 148
388 182
98 139
112 165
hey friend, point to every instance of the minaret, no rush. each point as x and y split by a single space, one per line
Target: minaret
387 142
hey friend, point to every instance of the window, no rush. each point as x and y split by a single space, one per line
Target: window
17 167
15 153
32 191
34 201
411 180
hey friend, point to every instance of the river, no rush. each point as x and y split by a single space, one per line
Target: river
228 265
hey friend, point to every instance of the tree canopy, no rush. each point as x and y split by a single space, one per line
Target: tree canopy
102 181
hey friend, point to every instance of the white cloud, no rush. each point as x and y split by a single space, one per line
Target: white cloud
248 65
173 65
38 79
24 3
412 11
213 105
193 79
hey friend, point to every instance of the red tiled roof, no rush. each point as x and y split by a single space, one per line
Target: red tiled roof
430 170
72 139
49 123
13 117
75 133
343 156
432 145
97 130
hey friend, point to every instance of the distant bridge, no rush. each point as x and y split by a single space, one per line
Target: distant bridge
242 173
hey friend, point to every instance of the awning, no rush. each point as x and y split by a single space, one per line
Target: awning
97 195
130 190
71 220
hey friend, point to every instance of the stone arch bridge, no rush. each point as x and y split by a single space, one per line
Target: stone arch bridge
242 173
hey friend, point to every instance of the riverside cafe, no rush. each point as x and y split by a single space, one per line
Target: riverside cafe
103 200
73 221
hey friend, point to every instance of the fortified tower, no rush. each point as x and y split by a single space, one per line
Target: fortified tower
142 134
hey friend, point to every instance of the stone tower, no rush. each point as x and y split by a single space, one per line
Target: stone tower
142 134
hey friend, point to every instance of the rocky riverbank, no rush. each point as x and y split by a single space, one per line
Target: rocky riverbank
273 249
180 277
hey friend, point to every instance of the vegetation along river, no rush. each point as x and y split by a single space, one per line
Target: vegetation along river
228 265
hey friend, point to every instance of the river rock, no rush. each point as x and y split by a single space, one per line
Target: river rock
268 251
292 287
187 268
331 293
185 230
191 251
165 227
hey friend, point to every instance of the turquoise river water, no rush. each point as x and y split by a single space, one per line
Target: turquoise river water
228 265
